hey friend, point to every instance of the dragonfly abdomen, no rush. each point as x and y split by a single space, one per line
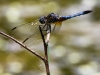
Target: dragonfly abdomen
62 18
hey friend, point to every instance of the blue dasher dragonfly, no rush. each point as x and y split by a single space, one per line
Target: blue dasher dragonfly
49 24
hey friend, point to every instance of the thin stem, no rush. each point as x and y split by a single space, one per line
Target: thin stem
45 50
8 36
46 60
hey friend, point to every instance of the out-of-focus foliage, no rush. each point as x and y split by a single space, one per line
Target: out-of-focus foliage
74 50
96 14
67 2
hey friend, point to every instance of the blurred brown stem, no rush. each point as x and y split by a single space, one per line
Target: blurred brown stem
10 37
45 59
46 51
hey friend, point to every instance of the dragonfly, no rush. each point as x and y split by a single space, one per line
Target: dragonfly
50 23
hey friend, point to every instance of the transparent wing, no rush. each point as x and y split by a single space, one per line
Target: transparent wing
55 27
34 39
27 28
29 32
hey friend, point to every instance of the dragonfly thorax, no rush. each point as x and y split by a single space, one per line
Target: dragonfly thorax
51 18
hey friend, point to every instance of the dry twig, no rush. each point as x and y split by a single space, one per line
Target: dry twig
45 59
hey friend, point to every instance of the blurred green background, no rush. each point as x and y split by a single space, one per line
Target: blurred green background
74 50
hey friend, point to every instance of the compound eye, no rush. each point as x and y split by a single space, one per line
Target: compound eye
50 15
42 20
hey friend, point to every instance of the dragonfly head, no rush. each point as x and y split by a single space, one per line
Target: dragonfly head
42 19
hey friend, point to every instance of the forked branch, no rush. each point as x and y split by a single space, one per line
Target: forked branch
45 59
45 42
